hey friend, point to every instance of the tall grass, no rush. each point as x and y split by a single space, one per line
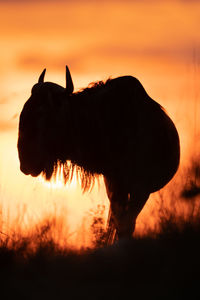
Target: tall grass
177 210
38 262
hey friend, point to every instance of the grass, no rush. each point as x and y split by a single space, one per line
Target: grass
163 264
155 267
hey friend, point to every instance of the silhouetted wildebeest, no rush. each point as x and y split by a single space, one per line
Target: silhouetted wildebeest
112 128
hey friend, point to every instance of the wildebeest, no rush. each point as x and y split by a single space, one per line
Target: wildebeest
111 128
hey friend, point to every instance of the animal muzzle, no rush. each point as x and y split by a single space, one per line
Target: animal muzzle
24 170
28 171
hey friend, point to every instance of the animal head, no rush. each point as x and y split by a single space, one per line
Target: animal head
40 126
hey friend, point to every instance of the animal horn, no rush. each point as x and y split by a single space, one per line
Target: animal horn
41 78
69 82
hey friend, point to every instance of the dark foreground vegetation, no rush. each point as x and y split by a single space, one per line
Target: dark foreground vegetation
162 265
166 266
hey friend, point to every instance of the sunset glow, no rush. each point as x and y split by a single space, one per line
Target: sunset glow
157 42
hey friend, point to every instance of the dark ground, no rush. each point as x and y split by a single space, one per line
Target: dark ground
165 267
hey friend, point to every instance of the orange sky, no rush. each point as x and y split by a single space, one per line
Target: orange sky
156 41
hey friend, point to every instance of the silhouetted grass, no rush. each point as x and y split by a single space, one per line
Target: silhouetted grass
163 265
192 188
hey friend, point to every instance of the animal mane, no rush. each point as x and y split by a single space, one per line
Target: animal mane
69 168
85 177
66 170
93 87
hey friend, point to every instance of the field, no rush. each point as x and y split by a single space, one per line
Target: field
157 265
166 266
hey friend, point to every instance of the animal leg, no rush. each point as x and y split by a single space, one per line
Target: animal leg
125 207
111 230
118 213
136 203
126 214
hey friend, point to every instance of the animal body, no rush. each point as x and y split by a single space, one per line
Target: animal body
112 129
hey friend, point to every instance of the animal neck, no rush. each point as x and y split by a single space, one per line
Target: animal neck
65 134
77 139
73 131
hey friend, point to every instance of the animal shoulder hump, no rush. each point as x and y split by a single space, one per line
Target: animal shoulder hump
131 86
127 81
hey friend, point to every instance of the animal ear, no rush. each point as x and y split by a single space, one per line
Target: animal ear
41 78
69 82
